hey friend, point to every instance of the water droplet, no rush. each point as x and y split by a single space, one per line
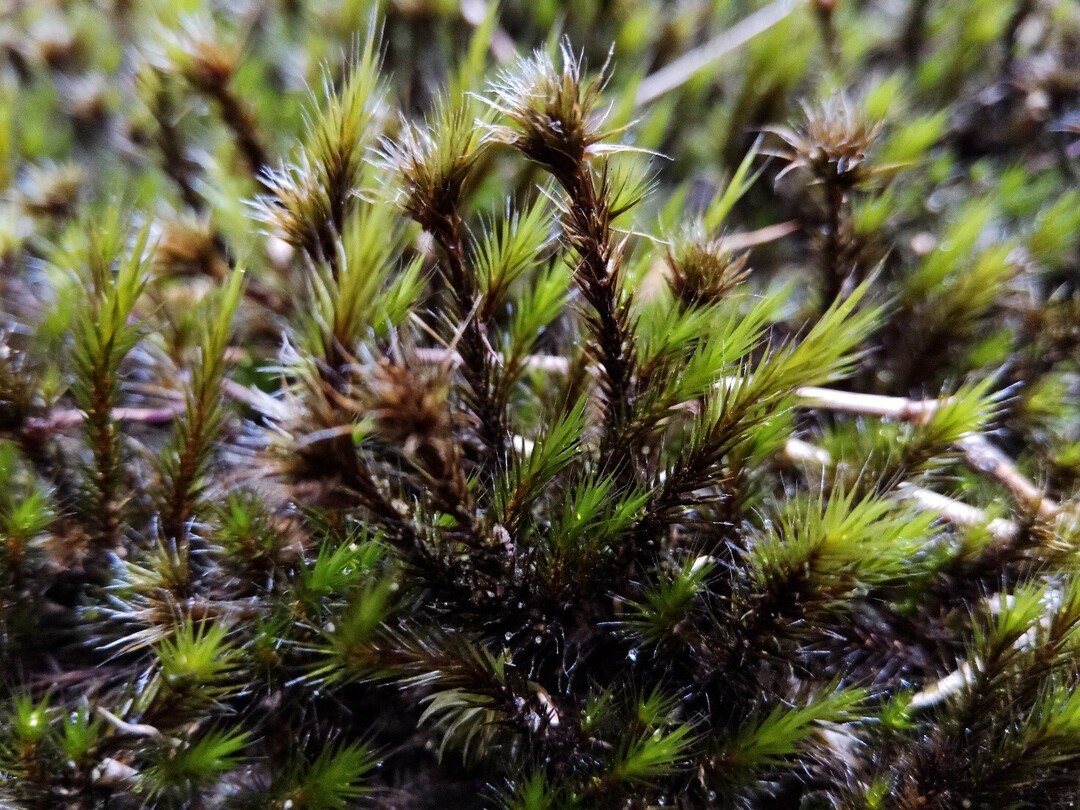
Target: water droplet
632 655
508 635
711 795
538 639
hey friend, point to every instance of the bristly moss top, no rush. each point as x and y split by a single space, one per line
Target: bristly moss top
398 411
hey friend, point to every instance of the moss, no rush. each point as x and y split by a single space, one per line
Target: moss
585 405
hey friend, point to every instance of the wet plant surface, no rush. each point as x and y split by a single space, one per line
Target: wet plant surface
540 405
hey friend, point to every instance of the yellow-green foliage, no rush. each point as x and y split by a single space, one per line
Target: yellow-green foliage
539 405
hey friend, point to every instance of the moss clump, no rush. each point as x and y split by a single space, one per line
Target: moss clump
428 440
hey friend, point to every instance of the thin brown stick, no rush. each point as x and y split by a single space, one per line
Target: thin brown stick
67 417
796 450
1004 532
915 411
134 729
761 236
256 399
979 454
957 513
62 418
680 71
985 459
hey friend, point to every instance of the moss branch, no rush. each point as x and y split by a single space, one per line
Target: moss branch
598 276
478 364
174 160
